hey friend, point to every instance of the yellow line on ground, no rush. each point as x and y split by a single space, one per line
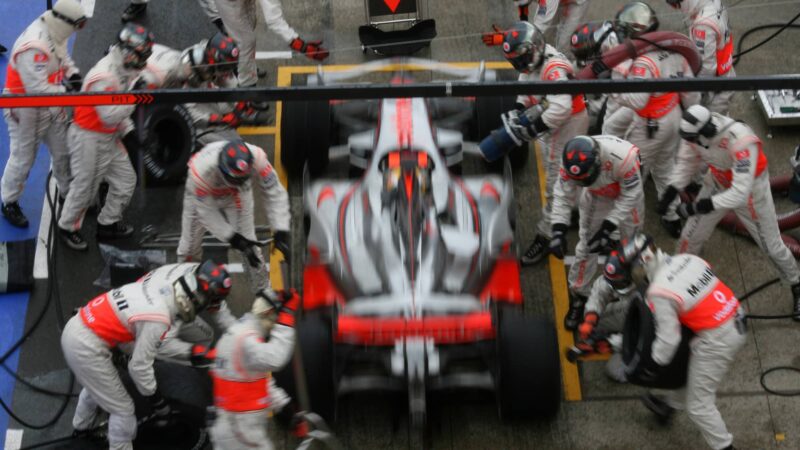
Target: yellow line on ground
558 284
256 131
284 79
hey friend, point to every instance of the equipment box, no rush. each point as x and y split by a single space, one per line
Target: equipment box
781 108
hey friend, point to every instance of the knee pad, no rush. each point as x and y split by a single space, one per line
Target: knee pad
121 428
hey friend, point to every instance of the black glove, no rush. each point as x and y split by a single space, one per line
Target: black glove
247 247
281 242
702 206
601 241
666 199
651 372
558 241
201 356
159 405
538 126
74 83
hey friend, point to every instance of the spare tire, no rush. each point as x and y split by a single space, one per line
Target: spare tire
528 372
168 143
305 136
487 119
638 336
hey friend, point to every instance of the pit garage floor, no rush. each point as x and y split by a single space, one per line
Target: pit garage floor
599 413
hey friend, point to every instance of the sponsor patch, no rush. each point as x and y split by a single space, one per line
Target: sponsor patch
742 154
699 34
638 71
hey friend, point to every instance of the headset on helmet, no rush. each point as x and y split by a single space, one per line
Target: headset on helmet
207 286
616 272
696 122
136 44
581 160
71 12
587 42
523 46
222 53
636 18
236 162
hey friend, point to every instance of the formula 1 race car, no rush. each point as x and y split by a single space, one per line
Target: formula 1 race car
314 131
411 282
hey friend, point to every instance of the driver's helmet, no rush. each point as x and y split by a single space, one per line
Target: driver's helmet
636 18
523 46
408 172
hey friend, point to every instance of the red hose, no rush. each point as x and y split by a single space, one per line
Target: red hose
630 49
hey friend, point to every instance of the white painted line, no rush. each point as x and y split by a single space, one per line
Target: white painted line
13 439
274 55
40 259
235 267
88 7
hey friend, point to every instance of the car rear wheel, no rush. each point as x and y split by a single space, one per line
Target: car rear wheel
315 342
305 136
487 118
528 379
639 333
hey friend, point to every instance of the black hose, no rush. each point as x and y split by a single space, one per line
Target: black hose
774 391
781 26
758 289
51 293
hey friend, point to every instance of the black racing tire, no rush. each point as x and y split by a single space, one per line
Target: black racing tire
168 143
487 118
306 136
315 341
638 336
528 375
189 393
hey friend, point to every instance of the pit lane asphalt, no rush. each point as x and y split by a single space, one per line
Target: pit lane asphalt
610 415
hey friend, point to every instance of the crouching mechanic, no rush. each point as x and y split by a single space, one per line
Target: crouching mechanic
139 313
606 309
602 174
95 139
737 180
683 290
219 198
552 119
260 342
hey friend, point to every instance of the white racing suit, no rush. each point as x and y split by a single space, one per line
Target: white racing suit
139 313
616 195
712 35
241 387
239 17
618 118
208 7
209 203
35 67
684 291
737 180
655 125
565 116
170 68
96 150
570 12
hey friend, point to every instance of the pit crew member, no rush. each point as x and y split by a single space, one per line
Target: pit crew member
570 13
737 180
138 7
601 174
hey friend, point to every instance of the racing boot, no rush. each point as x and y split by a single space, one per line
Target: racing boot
73 239
658 406
795 297
116 230
134 11
672 227
575 314
13 213
537 250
